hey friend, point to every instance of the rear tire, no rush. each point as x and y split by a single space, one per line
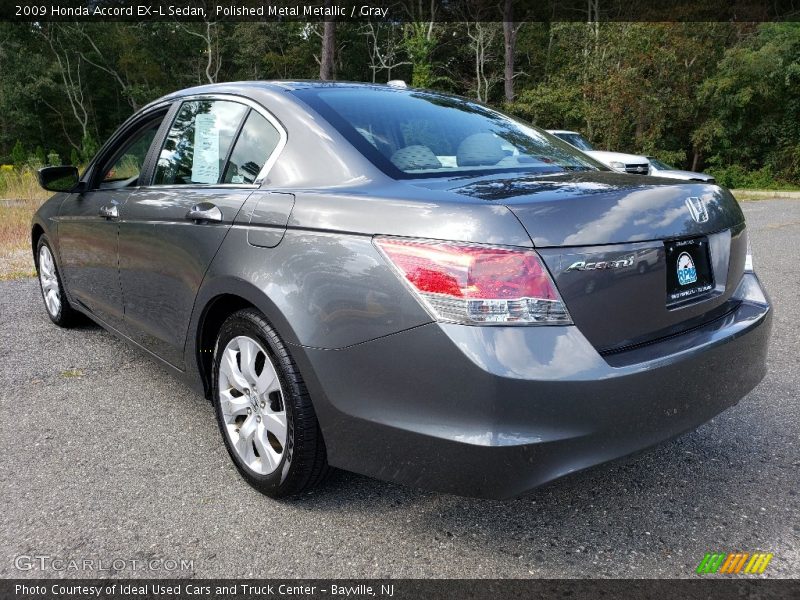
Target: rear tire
52 287
263 409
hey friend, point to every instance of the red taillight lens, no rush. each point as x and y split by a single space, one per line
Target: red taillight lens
469 283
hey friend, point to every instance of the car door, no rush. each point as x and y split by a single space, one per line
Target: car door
208 165
88 224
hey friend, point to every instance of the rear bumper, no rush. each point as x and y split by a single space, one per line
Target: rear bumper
497 411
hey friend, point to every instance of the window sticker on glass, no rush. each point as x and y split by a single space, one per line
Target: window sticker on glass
205 166
198 141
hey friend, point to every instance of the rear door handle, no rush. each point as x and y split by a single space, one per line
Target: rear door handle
205 211
110 211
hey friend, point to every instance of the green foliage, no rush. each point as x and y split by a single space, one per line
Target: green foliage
34 162
669 157
18 154
420 40
88 148
736 176
552 105
753 100
715 96
53 158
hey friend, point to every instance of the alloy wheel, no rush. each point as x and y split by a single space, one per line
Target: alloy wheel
251 400
49 281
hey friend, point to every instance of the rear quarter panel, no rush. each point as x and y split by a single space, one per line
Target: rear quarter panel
325 285
321 289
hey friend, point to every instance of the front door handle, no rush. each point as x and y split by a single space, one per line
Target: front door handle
205 211
110 211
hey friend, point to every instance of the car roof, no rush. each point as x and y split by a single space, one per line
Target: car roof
274 85
302 84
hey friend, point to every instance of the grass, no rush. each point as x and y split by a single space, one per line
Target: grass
747 195
20 196
8 274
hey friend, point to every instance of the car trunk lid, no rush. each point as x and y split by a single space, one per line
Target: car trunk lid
614 245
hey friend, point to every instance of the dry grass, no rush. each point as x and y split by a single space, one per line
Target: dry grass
20 196
751 195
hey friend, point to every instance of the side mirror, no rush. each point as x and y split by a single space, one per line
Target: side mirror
58 179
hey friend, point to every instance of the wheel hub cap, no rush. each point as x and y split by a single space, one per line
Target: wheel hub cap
49 281
252 405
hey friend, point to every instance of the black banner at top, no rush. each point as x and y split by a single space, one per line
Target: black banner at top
400 10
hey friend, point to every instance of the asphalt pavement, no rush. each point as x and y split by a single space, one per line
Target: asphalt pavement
106 457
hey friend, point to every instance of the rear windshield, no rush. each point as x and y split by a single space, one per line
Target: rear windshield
423 134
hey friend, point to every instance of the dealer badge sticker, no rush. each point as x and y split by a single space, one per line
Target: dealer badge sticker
687 273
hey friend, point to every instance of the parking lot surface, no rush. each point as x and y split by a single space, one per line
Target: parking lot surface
104 456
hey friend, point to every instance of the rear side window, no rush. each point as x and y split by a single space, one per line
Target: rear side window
257 141
198 142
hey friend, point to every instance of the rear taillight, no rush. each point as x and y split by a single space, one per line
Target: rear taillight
476 284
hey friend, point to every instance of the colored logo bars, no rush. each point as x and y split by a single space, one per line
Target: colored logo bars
735 562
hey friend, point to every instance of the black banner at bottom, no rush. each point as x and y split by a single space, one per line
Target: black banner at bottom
395 589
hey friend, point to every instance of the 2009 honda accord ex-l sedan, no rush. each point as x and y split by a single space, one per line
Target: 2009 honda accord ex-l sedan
404 284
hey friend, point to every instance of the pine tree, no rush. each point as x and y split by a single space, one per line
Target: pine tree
18 154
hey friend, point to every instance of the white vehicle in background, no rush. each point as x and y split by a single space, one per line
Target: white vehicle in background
618 161
659 169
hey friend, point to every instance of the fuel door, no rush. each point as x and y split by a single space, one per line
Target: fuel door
267 214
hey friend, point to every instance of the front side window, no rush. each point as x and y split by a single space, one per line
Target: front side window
125 168
198 142
423 134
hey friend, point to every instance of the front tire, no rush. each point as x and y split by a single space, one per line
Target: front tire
263 409
50 283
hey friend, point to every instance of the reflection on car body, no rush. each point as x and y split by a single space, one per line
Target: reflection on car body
380 279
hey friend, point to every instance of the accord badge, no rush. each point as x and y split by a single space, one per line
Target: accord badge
582 265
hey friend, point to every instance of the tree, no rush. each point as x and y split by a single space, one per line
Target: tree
483 36
18 154
724 95
99 59
383 55
273 51
420 39
88 148
753 103
326 63
510 30
70 69
209 35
